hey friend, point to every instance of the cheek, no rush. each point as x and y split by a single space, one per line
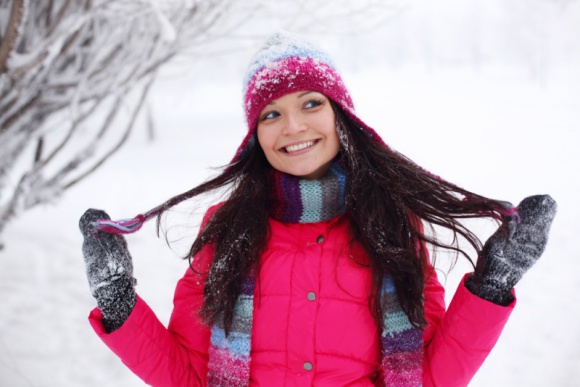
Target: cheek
264 139
329 130
334 145
267 142
327 122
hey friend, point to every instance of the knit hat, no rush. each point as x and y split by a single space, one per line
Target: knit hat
286 64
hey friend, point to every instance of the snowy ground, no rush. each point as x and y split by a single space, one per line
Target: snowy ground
491 131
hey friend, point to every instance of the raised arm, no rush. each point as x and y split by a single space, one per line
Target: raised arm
458 343
160 356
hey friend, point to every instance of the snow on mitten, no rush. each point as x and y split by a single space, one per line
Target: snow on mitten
109 270
513 249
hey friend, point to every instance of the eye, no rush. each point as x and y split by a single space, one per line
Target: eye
312 103
269 115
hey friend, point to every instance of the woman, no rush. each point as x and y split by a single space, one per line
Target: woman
315 270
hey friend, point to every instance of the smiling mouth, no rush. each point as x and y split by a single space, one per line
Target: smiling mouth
298 147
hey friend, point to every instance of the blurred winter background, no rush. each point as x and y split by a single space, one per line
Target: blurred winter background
483 93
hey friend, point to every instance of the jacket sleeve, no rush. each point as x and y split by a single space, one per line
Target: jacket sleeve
457 342
172 356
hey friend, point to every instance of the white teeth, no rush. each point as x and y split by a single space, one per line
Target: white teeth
297 147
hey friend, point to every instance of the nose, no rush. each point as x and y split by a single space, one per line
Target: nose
293 125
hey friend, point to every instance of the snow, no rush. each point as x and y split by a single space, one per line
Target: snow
168 32
492 130
282 45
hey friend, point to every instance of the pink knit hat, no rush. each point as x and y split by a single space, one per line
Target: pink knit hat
285 64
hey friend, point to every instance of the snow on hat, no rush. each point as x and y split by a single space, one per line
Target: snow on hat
286 63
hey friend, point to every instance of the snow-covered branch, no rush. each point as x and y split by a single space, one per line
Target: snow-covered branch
64 64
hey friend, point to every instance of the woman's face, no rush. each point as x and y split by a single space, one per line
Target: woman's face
298 134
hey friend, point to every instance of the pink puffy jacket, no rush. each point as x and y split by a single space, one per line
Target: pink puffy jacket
311 307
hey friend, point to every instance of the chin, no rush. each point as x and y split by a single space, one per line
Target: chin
311 174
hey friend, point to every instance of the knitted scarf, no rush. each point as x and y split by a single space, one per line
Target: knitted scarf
304 201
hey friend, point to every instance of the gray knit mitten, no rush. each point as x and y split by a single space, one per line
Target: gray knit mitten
109 270
513 249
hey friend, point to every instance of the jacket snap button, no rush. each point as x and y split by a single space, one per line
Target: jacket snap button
308 366
320 239
311 296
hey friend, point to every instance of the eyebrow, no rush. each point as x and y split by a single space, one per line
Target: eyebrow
299 96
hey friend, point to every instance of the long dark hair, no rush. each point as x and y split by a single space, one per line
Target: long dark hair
388 197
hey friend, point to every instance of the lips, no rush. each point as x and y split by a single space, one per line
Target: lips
300 146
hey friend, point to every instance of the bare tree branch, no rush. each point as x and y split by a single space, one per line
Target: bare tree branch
11 35
122 141
59 16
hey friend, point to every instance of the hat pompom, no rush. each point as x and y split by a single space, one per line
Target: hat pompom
283 45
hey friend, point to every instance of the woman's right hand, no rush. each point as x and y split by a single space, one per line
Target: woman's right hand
109 270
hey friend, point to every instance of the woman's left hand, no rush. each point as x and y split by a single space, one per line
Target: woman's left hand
513 249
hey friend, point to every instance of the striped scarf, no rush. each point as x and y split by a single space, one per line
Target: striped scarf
305 201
